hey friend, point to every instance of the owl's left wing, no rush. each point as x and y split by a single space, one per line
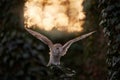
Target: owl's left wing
68 44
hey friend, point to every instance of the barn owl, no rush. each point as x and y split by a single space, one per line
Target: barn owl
56 50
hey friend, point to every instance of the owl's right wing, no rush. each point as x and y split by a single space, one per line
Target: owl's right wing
41 37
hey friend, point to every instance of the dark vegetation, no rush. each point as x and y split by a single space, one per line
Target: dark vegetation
110 20
23 57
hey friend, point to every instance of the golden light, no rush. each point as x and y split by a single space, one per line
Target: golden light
63 15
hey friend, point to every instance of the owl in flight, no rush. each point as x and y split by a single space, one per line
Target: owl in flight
56 50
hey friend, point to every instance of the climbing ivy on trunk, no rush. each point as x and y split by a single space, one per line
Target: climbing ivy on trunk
110 20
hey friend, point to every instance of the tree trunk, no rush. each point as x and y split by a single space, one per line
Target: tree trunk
11 14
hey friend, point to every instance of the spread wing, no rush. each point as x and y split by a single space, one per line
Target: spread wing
41 37
68 44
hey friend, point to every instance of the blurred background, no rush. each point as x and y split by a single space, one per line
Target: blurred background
22 56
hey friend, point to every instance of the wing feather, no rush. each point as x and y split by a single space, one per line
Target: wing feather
41 37
68 44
